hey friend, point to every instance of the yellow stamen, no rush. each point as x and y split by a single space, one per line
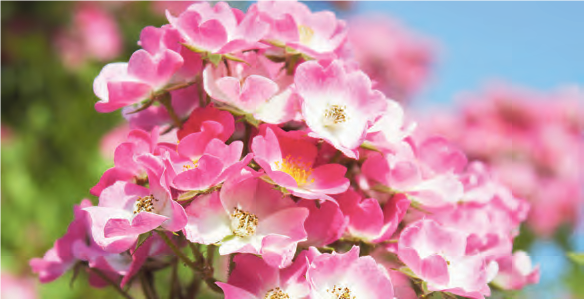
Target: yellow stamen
300 171
188 166
341 293
144 204
306 34
335 114
243 224
276 293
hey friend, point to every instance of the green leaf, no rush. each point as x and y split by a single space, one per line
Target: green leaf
368 146
407 271
187 195
425 288
275 58
290 50
214 58
234 58
275 43
193 48
577 257
306 57
141 239
76 269
416 205
384 189
227 238
252 121
436 295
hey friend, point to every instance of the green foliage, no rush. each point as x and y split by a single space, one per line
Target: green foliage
578 258
52 158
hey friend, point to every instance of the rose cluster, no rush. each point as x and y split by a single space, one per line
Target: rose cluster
533 142
256 136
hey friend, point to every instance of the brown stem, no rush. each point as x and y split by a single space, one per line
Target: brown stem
210 253
180 86
143 107
177 251
209 270
227 69
175 289
202 93
231 263
112 283
199 258
195 286
210 281
147 286
165 101
207 274
246 138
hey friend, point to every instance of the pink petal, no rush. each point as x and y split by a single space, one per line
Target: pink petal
435 268
142 223
324 225
232 292
211 36
267 148
329 179
122 94
109 177
208 221
200 178
264 276
256 90
99 217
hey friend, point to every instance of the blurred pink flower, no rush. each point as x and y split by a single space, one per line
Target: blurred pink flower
17 287
532 142
397 61
93 34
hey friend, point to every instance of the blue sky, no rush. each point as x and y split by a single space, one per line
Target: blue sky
539 45
533 44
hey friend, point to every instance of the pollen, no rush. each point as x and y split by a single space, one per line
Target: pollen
341 293
276 293
306 34
299 170
189 166
243 224
335 114
144 204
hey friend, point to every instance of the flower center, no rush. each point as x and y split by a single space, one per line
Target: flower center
306 33
144 204
335 114
189 166
341 293
297 169
276 293
243 223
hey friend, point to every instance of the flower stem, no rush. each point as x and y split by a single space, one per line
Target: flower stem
146 280
210 281
175 288
181 86
165 101
206 271
199 258
177 251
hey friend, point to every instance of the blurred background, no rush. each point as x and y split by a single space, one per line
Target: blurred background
511 72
